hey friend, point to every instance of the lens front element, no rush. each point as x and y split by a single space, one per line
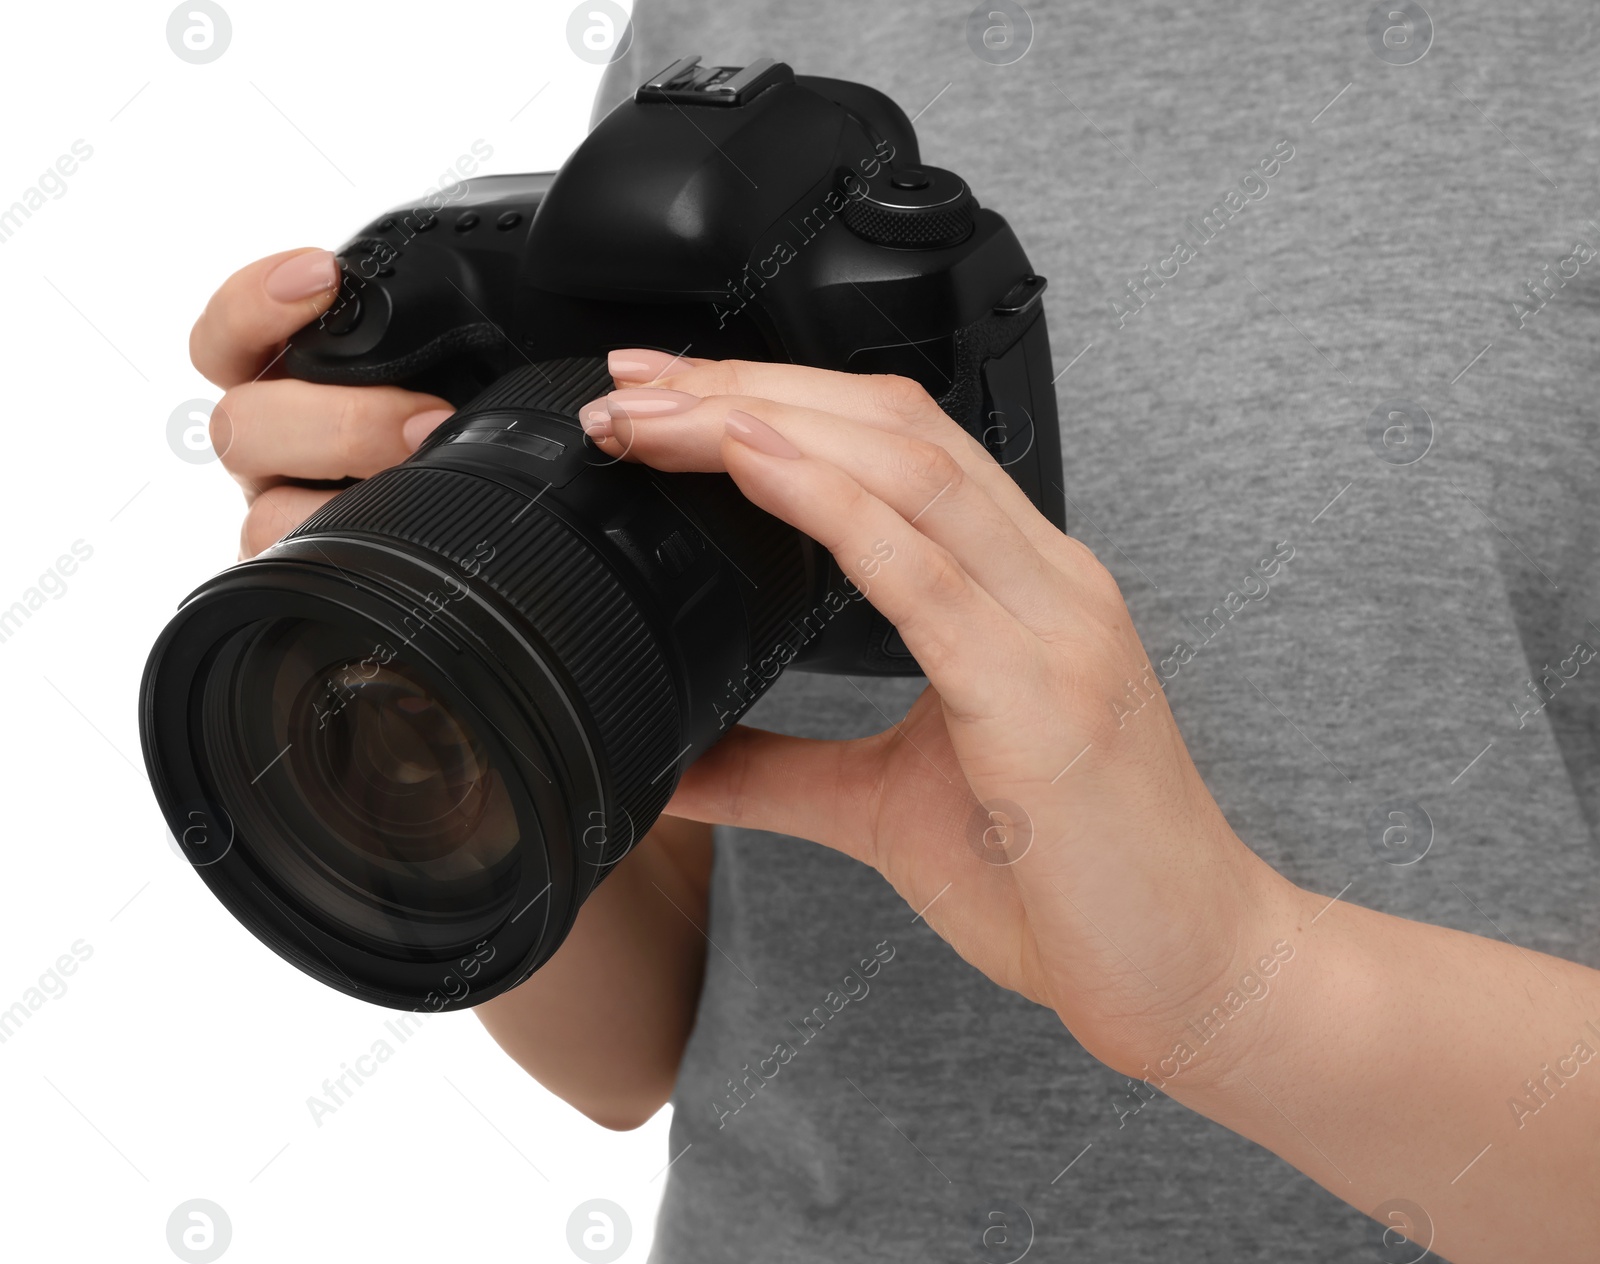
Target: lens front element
368 795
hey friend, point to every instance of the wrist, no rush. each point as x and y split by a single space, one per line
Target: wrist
1258 1001
1228 1014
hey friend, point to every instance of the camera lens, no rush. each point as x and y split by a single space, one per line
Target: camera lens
406 743
368 795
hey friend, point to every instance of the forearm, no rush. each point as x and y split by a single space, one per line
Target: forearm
604 1022
1394 1060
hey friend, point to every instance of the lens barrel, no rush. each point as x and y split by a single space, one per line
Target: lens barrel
404 744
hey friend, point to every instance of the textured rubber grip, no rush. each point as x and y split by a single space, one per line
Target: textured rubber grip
561 386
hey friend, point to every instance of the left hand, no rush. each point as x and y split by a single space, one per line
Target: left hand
1054 829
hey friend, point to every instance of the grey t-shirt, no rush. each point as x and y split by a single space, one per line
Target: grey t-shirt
1375 352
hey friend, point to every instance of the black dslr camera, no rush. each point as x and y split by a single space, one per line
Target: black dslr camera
404 744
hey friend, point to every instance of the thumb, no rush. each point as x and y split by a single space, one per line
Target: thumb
755 779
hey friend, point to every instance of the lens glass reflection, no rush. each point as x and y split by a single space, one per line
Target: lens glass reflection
360 787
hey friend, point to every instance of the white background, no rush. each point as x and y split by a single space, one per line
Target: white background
178 1063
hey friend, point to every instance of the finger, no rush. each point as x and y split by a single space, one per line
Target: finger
881 400
788 785
243 328
921 480
973 651
826 390
640 366
285 428
276 512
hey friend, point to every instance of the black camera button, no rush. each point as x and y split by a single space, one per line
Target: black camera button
369 257
680 550
344 315
1021 297
466 223
509 220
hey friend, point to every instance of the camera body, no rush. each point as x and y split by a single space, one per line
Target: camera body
727 213
404 744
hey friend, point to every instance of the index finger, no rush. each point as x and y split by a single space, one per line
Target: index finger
243 327
880 400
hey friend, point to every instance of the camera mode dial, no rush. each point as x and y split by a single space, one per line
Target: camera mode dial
913 208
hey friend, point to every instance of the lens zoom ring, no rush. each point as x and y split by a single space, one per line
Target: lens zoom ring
568 597
561 386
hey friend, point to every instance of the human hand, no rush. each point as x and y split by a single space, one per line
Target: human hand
276 434
1062 845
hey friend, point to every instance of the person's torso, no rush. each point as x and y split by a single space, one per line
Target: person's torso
1346 364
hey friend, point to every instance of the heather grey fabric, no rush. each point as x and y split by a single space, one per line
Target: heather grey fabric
1376 686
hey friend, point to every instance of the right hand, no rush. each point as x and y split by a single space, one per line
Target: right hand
278 436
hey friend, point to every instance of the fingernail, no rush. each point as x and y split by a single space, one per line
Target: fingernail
639 362
595 419
303 276
760 436
649 401
419 427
